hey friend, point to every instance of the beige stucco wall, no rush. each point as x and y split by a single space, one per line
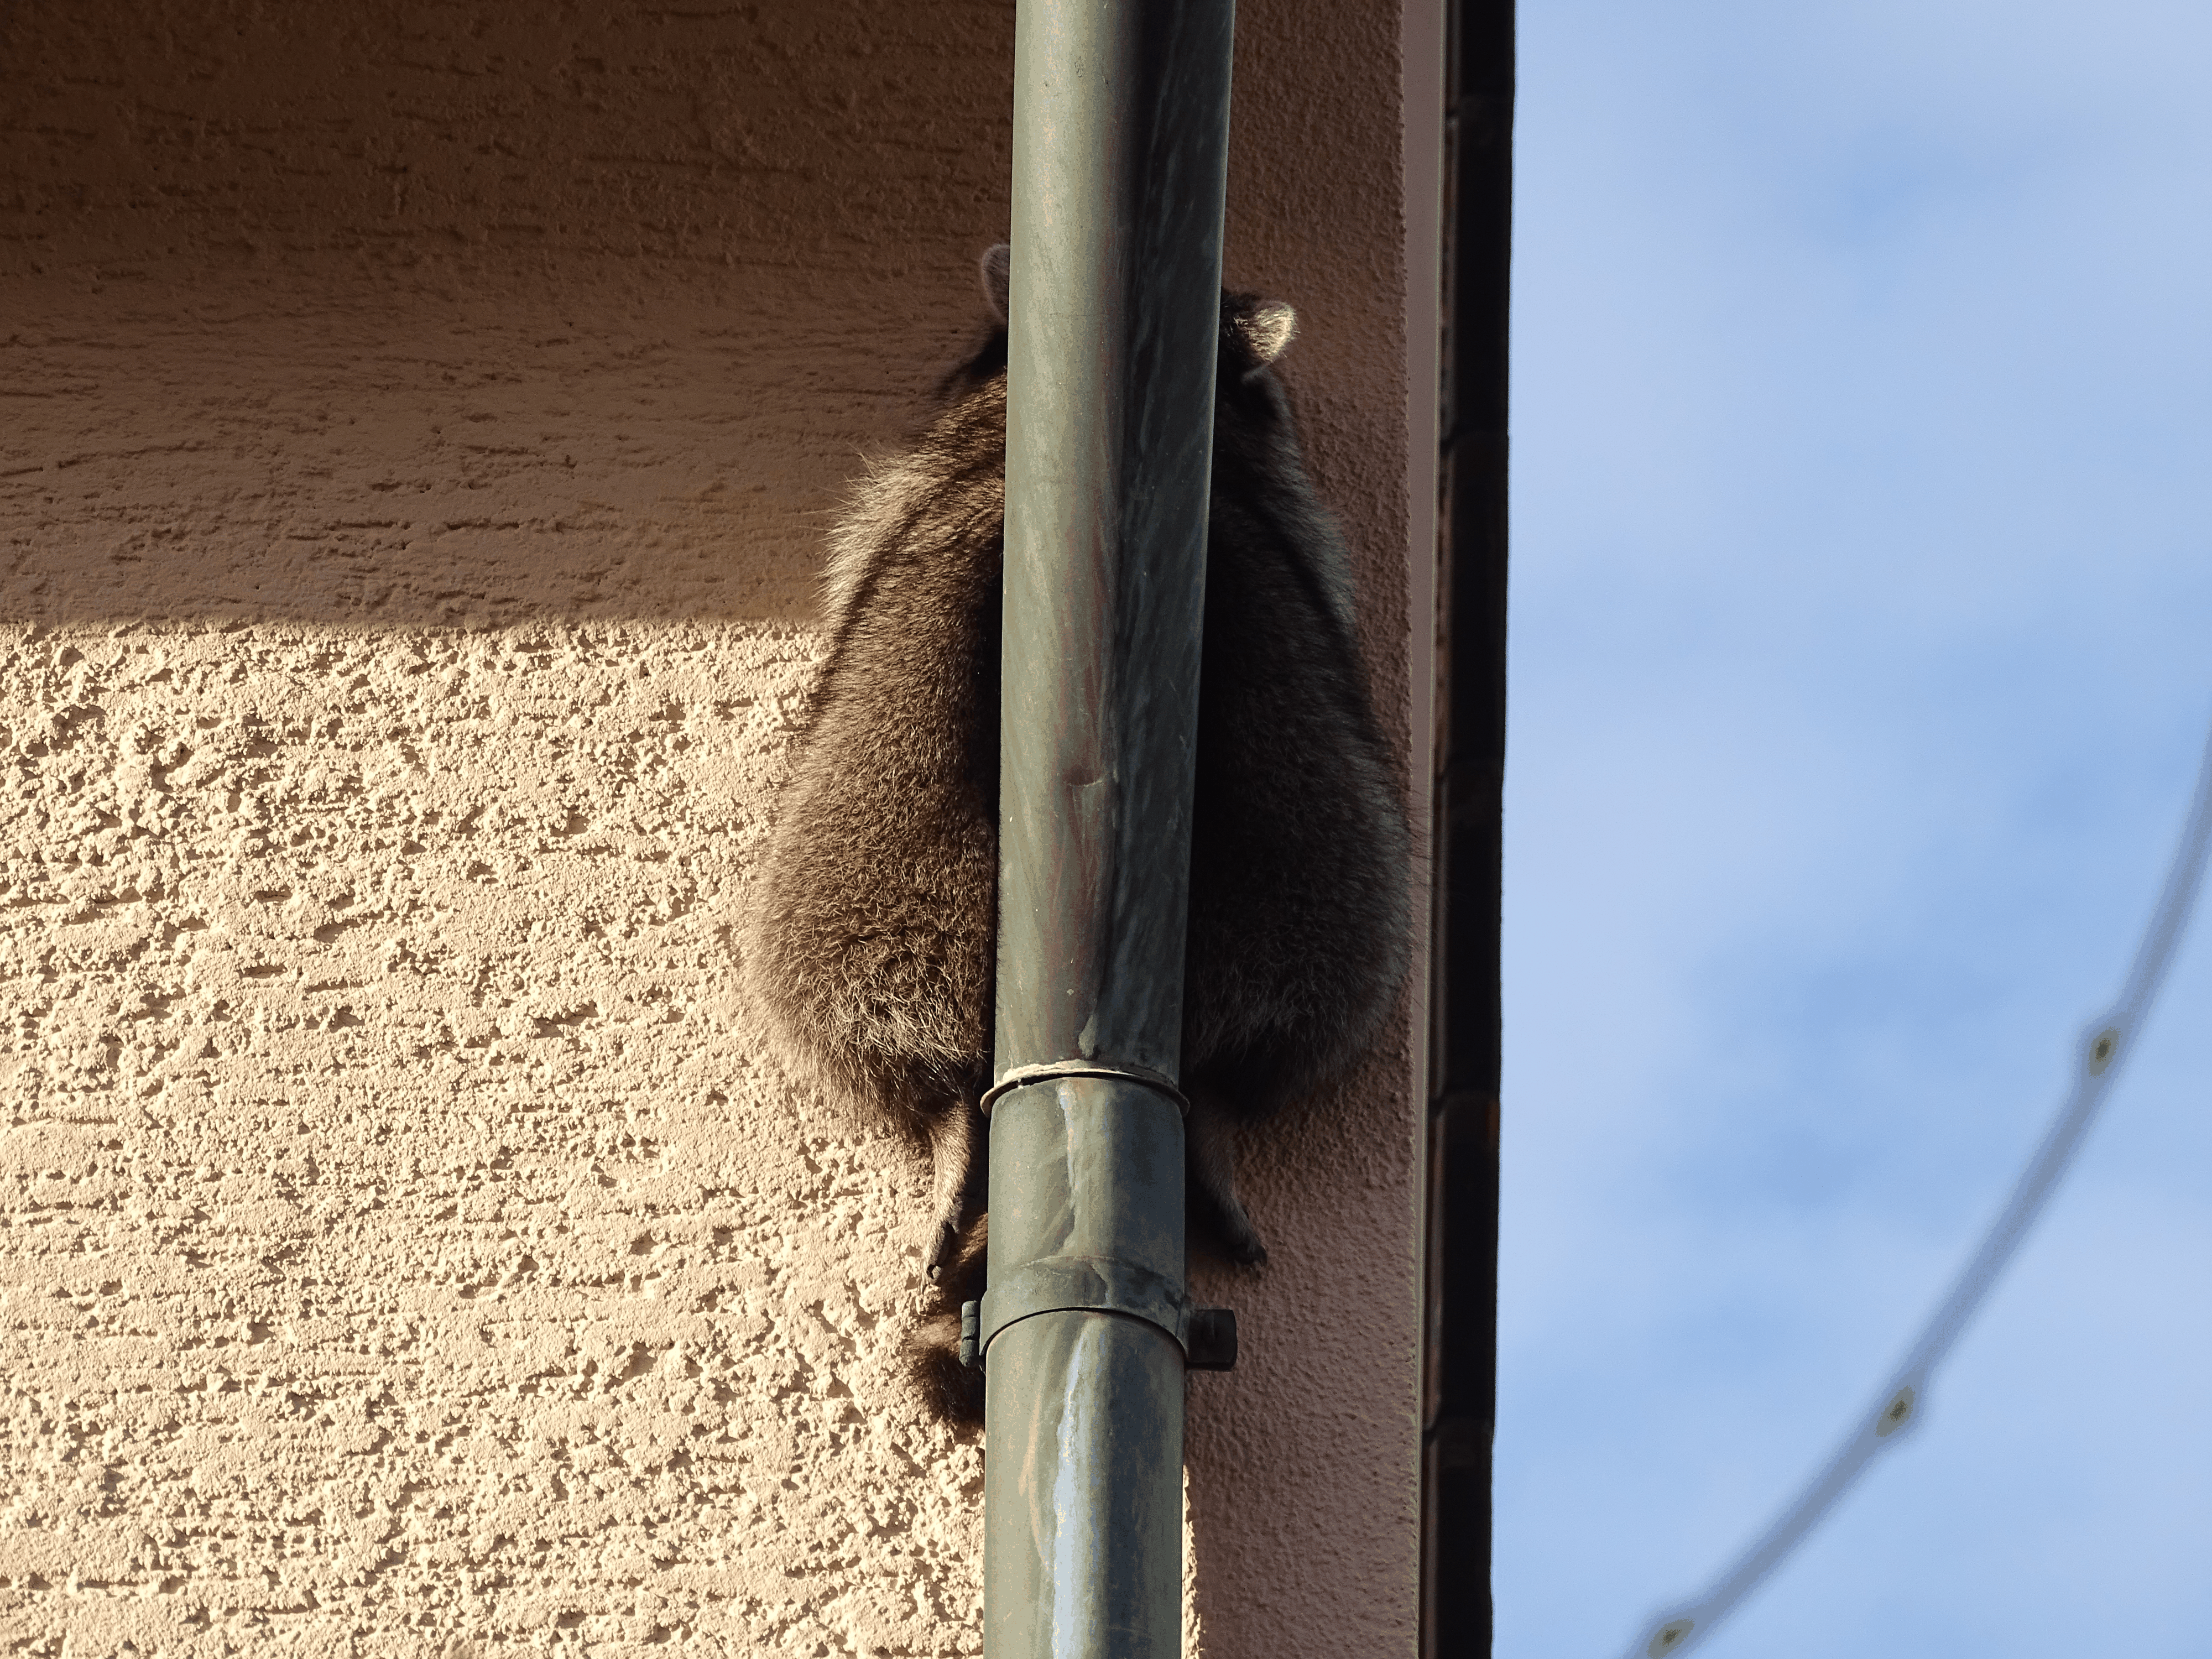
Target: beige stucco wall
416 426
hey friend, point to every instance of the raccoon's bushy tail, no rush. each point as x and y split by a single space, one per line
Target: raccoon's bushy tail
952 1392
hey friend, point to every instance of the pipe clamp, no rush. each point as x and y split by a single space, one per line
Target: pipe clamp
1084 1284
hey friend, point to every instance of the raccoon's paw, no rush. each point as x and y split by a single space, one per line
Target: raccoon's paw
1239 1238
1211 1168
1220 1215
957 1160
944 1246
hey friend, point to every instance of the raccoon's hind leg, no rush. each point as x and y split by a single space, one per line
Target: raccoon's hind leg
1210 1158
958 1153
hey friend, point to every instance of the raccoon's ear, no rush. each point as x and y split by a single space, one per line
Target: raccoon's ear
997 268
1268 329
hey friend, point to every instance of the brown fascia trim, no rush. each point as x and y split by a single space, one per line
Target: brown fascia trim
1459 1404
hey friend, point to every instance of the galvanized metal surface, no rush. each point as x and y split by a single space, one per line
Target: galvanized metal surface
1083 1536
1092 1211
1121 147
1120 144
1083 1415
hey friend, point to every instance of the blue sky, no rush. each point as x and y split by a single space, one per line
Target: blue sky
1862 655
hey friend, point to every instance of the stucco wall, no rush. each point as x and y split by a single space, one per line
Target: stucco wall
416 426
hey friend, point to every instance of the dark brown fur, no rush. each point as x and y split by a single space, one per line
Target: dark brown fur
870 947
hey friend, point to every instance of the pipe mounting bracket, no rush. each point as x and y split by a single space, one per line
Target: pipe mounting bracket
1084 1284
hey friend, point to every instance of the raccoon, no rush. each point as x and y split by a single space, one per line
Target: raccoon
869 950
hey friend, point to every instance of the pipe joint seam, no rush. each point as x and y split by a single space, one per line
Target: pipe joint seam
1082 1284
1023 1077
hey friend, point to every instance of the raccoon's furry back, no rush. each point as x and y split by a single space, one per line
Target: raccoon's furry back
870 946
863 945
1299 917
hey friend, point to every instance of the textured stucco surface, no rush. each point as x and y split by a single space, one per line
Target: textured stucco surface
397 1235
416 426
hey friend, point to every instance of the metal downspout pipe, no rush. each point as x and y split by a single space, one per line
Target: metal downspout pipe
1120 142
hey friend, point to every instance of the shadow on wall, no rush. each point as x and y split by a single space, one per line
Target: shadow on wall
404 457
418 315
411 315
